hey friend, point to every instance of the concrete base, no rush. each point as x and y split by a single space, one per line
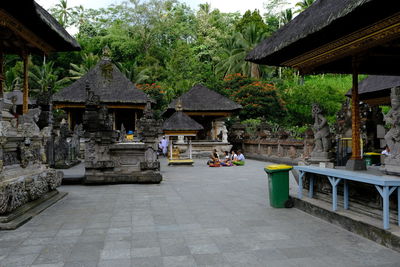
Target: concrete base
392 166
357 223
142 177
317 157
179 162
65 165
356 165
24 213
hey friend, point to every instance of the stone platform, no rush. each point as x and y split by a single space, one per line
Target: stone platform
198 216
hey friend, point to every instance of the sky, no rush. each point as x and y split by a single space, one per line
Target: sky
222 5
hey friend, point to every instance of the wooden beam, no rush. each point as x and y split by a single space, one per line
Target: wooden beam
20 30
67 105
25 57
355 115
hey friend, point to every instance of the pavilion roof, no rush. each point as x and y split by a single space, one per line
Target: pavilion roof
375 89
19 97
179 121
324 36
106 81
201 98
37 24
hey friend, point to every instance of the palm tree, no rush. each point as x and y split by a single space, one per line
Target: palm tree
303 5
285 16
62 12
44 77
236 50
132 73
88 62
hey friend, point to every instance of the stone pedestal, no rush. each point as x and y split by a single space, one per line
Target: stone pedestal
392 166
356 165
317 157
121 163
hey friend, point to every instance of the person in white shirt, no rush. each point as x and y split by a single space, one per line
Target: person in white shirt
164 145
240 159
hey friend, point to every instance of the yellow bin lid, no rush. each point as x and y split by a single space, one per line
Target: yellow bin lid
277 167
372 154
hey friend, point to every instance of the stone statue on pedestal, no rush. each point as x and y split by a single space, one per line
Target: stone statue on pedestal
322 140
392 137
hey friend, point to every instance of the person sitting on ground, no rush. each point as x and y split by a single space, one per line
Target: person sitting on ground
214 159
233 156
227 160
240 159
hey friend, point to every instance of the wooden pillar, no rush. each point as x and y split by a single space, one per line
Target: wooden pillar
1 73
25 57
355 115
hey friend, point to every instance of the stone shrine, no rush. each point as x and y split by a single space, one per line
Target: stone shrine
24 174
109 158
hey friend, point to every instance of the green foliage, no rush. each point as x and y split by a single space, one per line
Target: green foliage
157 93
326 90
251 18
258 98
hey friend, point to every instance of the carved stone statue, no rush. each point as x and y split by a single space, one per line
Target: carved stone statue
392 118
224 132
321 130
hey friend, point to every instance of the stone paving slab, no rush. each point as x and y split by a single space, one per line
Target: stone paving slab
198 216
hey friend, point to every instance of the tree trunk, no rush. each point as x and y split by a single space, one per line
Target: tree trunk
254 71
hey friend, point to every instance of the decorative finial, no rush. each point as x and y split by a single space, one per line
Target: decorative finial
178 106
106 53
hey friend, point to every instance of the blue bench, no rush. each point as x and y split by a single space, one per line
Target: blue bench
385 185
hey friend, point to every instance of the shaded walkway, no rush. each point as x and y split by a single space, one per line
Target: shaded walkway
197 216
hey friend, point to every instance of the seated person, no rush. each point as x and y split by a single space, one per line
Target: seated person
214 159
233 155
240 159
227 160
386 152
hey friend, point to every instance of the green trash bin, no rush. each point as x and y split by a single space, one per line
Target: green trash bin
372 158
278 184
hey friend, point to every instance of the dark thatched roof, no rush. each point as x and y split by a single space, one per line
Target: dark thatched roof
106 81
376 88
36 19
201 98
19 95
179 121
323 23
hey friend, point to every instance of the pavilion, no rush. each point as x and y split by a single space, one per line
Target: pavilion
122 98
180 125
208 108
26 28
342 36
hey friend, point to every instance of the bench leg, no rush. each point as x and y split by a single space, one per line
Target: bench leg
345 195
311 189
334 182
300 190
398 206
385 192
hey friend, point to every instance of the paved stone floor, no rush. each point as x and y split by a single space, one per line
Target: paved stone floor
198 216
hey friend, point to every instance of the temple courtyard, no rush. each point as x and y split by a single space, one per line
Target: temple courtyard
198 216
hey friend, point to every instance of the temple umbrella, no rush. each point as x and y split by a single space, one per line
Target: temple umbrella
340 36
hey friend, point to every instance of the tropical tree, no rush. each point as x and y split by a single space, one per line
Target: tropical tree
62 12
236 50
303 5
78 70
44 77
286 16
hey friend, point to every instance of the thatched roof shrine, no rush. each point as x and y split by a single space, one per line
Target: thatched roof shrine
36 30
375 89
324 37
180 122
106 81
203 99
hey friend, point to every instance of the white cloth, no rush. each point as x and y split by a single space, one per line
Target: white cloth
241 157
385 152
